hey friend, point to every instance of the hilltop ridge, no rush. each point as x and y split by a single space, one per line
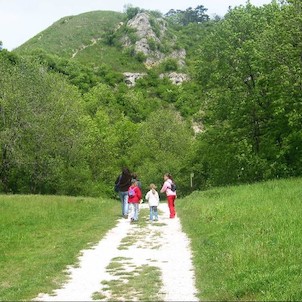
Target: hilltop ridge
144 38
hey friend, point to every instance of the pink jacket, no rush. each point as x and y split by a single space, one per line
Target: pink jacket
167 188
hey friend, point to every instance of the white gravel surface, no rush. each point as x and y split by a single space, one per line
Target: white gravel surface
163 245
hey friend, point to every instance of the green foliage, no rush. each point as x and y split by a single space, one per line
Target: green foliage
42 235
152 44
170 64
247 68
156 13
244 94
41 129
83 76
160 145
96 39
92 39
140 57
190 37
155 26
69 34
245 241
164 47
197 15
131 11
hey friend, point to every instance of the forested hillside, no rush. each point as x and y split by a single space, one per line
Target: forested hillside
179 93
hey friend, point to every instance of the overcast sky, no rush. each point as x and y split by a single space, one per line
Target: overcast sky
20 20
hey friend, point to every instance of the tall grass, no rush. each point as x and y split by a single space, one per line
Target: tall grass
41 235
247 241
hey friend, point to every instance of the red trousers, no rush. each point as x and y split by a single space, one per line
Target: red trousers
171 205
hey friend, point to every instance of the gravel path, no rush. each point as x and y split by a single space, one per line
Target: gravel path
159 244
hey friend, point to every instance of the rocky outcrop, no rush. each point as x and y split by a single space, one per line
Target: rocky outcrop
146 33
141 23
130 78
149 29
143 27
175 77
197 128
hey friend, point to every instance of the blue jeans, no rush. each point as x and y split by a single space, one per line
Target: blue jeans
124 201
134 210
153 213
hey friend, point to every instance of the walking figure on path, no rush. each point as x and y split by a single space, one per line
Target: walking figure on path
122 185
153 199
134 197
170 189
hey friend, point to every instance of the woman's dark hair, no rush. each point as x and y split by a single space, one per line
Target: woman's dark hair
126 171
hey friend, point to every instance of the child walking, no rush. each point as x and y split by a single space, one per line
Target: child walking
153 199
134 197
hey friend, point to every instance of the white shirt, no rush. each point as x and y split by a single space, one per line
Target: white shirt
153 198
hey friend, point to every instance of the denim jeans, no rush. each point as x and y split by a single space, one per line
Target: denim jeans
134 210
124 201
153 213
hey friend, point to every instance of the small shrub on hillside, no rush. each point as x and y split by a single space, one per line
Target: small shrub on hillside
164 48
109 37
155 26
132 37
130 51
170 64
131 11
141 57
152 44
156 13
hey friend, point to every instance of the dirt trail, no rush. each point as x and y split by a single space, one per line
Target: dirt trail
159 245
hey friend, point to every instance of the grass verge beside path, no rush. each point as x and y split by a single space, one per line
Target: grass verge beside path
246 241
41 235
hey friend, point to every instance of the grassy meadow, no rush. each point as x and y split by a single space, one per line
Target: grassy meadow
41 235
246 241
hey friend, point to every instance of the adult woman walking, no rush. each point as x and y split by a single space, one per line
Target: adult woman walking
123 182
169 188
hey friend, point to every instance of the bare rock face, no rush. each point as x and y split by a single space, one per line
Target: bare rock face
130 78
150 29
142 26
145 32
142 46
141 23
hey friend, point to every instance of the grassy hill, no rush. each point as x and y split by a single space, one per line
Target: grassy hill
105 38
71 33
81 38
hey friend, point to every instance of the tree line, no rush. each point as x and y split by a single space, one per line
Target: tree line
68 129
55 138
249 67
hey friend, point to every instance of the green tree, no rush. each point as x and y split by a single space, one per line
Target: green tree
41 132
234 147
190 15
131 11
161 143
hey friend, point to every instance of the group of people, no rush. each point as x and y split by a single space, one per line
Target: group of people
129 188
